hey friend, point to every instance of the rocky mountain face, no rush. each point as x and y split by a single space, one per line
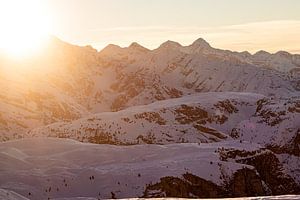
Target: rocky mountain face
245 106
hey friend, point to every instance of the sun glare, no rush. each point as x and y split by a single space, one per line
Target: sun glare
25 27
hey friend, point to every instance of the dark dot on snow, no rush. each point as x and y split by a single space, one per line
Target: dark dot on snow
113 196
28 193
139 175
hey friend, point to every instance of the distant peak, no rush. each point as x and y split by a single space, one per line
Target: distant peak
53 40
90 48
262 53
170 45
245 53
201 43
283 53
137 46
110 48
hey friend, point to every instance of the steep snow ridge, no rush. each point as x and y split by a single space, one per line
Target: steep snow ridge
117 52
173 70
281 61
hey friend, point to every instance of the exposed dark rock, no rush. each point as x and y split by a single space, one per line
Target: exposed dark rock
292 147
271 172
188 114
187 187
245 183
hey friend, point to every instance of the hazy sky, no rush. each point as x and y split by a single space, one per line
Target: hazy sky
232 24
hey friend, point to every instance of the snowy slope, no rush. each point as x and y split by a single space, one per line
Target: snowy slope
203 117
184 121
25 105
68 82
173 71
288 197
9 195
66 168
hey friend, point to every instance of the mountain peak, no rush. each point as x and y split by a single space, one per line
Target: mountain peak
170 45
134 45
262 53
201 43
110 49
283 54
112 46
137 46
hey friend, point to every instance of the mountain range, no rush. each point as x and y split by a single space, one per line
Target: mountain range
200 118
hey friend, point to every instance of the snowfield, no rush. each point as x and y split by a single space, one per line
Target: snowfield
177 121
39 168
9 195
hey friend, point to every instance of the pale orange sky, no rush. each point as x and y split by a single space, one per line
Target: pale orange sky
271 25
270 35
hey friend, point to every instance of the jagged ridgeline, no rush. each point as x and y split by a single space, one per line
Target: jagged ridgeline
68 82
228 123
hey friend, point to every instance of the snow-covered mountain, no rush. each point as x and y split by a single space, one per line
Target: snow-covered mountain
173 71
200 118
68 82
166 112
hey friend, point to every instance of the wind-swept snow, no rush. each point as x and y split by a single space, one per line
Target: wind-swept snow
45 167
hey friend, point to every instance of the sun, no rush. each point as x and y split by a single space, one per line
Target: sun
25 27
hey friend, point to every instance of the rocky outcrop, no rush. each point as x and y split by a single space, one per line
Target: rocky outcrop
188 186
245 182
271 172
268 167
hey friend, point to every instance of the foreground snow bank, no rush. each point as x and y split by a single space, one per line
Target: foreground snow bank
39 168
